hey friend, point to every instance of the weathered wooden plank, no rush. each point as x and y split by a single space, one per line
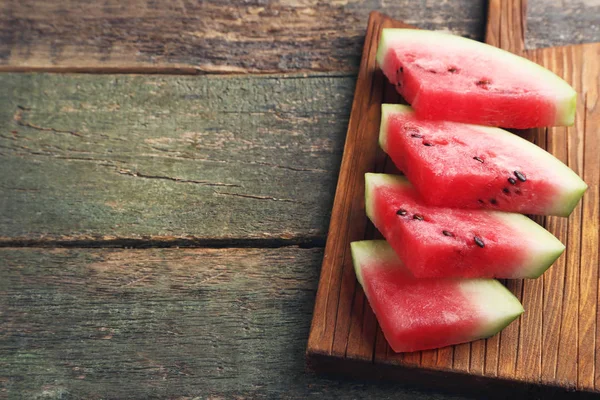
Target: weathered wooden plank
223 36
171 158
162 323
558 23
235 36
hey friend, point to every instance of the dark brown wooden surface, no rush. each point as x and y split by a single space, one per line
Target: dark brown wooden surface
235 36
554 342
216 36
244 167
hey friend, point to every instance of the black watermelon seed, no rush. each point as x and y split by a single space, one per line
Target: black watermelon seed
416 135
481 201
401 69
433 71
446 233
401 211
506 190
493 201
452 70
427 144
483 82
520 176
418 217
478 159
512 181
479 242
399 84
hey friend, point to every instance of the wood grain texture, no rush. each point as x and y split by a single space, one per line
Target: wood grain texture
234 36
163 323
216 36
169 159
561 23
348 221
554 342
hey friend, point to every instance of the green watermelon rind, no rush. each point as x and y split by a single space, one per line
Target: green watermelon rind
481 292
506 308
386 111
563 206
548 247
565 107
546 256
370 249
372 180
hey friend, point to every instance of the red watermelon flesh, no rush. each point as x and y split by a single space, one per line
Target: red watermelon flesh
418 314
447 77
460 165
440 242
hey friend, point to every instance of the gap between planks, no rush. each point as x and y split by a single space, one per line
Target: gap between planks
166 242
183 71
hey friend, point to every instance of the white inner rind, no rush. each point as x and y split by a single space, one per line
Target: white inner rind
372 251
372 181
386 111
547 83
543 248
496 306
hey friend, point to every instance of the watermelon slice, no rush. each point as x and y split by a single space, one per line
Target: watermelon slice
418 314
451 78
459 165
440 242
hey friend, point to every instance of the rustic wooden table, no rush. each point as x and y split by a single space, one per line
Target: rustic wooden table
162 221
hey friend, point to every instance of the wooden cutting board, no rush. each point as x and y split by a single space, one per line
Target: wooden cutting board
554 345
